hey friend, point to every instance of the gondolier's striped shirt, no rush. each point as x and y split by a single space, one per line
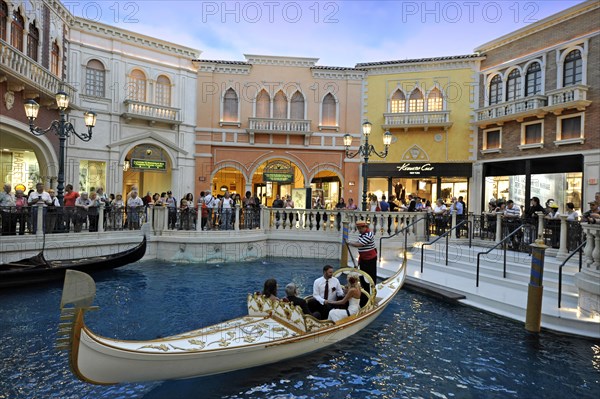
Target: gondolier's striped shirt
367 241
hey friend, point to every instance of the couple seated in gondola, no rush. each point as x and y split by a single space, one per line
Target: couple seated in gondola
330 300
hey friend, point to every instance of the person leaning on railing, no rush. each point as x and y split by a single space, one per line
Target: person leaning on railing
7 204
593 215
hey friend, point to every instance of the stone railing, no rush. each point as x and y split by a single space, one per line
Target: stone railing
588 280
567 95
520 108
417 119
272 125
31 72
151 112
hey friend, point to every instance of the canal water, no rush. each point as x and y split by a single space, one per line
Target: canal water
419 347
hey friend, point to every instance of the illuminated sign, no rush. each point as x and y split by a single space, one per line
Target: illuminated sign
148 164
415 169
278 177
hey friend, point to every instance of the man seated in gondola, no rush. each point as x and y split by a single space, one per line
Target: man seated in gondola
291 292
325 287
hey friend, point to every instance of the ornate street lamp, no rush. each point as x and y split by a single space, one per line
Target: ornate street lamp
63 129
365 150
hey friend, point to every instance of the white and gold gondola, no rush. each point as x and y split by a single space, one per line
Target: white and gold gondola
272 331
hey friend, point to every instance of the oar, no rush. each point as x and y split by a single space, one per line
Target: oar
351 255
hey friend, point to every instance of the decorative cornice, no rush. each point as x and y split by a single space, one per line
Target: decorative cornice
231 68
280 61
538 26
438 65
60 10
136 38
348 74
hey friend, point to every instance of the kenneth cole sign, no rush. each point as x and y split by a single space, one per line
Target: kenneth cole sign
415 169
148 164
418 169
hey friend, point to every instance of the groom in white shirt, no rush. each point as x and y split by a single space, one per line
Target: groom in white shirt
325 287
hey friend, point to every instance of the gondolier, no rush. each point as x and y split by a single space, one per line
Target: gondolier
367 254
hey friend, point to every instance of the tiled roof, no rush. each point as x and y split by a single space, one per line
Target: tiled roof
332 68
223 62
417 60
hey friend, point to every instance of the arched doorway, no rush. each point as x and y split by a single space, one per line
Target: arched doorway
276 177
147 167
26 159
228 179
327 186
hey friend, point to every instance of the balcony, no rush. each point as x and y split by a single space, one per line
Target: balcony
151 112
27 74
417 120
279 126
515 110
566 98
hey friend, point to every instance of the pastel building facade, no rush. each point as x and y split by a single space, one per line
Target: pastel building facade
143 90
538 117
274 125
33 66
426 105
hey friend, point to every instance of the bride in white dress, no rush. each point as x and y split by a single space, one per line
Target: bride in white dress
352 296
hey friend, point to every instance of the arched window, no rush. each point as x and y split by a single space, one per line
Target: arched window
513 85
533 79
280 106
435 101
415 101
263 104
163 91
329 112
137 86
398 103
55 59
33 40
16 32
94 78
3 19
495 90
297 107
230 106
572 69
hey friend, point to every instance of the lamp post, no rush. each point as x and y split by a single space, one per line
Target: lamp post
63 129
365 150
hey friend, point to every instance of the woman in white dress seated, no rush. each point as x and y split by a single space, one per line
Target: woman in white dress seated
352 296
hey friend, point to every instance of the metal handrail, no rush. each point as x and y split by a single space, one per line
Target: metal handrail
560 268
445 234
404 229
503 241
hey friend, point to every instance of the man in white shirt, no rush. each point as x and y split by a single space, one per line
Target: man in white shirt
512 213
326 287
7 207
210 202
226 206
39 196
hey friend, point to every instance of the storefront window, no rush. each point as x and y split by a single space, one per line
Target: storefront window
20 167
560 187
92 174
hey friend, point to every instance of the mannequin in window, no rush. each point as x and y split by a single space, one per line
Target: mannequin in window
400 193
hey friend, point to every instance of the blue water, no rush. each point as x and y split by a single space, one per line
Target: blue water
419 348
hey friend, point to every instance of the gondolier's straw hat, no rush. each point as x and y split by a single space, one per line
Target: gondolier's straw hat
361 223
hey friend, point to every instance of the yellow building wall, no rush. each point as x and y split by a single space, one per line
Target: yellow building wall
456 145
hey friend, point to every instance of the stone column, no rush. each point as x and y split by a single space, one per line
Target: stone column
498 227
563 252
588 280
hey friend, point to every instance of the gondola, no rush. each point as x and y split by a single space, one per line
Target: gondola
38 269
272 331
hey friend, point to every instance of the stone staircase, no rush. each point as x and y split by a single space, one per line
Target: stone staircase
504 296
